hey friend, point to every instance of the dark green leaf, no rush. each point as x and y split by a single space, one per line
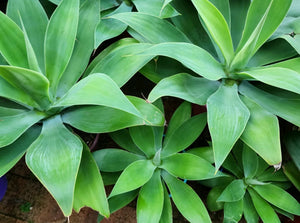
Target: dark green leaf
250 213
250 162
212 197
233 211
203 152
158 8
293 144
292 173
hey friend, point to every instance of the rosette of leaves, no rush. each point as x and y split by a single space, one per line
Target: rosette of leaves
231 61
149 163
255 191
40 99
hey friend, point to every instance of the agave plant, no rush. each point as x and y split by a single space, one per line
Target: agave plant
150 163
234 58
40 99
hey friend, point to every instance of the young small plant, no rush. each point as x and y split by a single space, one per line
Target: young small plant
155 168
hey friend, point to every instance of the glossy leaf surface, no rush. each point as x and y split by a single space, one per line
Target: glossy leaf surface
233 211
235 191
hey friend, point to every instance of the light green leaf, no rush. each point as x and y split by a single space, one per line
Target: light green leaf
89 188
216 25
189 166
293 144
54 158
233 211
227 119
84 45
235 191
12 127
189 131
264 210
293 41
250 162
163 31
159 8
286 108
166 215
274 77
30 82
113 160
11 154
201 62
250 213
203 152
59 41
108 4
150 205
278 197
186 87
186 200
212 197
262 134
292 64
35 22
143 137
133 177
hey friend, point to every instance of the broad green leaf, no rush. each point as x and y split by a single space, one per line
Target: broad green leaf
107 4
286 108
12 127
292 173
272 175
97 89
186 200
212 197
133 177
257 9
250 213
84 45
262 134
14 54
233 211
292 64
264 210
89 188
186 87
54 158
123 139
144 138
235 191
30 82
293 41
189 166
166 215
230 164
11 154
163 31
250 162
10 111
203 152
150 205
108 28
185 135
278 197
159 8
201 62
216 25
181 115
293 144
273 76
35 22
224 8
227 119
113 160
59 41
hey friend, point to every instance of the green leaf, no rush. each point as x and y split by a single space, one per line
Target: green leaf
2 60
273 76
35 22
262 134
271 175
143 137
54 158
293 41
250 213
97 89
235 191
292 144
30 82
203 152
186 200
89 188
230 164
264 210
292 64
14 54
191 167
12 127
59 41
108 4
110 178
233 211
186 87
133 177
84 45
150 205
158 8
278 197
227 119
250 162
113 160
216 25
189 131
201 62
292 173
212 197
166 215
11 154
286 108
163 31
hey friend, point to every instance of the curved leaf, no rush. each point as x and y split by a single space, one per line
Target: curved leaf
212 197
235 191
186 87
203 152
233 211
166 215
159 8
250 213
54 158
250 162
